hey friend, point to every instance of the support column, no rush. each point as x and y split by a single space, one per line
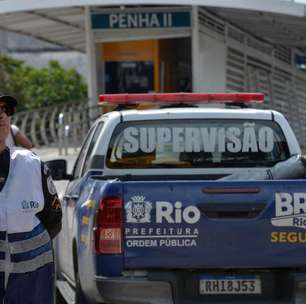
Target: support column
91 60
196 67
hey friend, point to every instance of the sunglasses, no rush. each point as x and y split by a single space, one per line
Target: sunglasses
6 110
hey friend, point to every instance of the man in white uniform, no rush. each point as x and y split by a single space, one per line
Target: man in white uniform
17 138
30 216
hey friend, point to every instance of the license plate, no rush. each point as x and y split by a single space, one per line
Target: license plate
230 285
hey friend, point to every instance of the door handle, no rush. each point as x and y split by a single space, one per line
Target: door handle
231 210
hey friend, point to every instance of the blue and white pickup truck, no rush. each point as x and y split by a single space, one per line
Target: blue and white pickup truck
147 217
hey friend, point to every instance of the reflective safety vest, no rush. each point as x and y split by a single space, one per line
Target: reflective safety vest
26 257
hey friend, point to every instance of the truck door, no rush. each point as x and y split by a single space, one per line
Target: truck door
70 201
214 224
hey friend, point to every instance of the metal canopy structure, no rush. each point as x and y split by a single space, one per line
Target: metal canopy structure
63 22
63 27
276 28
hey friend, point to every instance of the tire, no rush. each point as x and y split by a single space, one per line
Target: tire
59 298
79 297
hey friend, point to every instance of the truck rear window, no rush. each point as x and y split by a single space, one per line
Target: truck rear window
197 144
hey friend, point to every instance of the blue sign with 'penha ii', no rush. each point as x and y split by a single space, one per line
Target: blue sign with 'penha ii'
140 20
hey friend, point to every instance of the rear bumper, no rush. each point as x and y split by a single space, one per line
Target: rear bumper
300 287
178 287
134 290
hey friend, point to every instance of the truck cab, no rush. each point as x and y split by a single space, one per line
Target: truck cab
146 210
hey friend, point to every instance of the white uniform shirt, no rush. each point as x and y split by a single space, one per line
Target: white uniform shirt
10 140
22 195
21 199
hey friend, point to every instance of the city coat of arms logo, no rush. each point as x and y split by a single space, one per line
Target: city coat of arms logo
138 210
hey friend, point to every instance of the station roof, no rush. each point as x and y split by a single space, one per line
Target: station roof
280 29
62 22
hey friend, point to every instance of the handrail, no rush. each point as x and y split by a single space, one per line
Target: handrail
43 128
73 126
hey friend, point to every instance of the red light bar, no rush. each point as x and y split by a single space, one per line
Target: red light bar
181 98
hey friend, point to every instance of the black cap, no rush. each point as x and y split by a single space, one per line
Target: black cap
10 101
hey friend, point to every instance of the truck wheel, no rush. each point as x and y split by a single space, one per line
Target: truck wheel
59 298
79 295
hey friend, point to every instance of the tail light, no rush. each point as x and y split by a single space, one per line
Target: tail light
108 229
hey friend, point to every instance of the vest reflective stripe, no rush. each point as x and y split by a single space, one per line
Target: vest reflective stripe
29 255
3 235
2 245
20 236
34 264
29 244
2 259
2 265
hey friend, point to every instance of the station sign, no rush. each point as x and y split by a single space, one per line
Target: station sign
139 20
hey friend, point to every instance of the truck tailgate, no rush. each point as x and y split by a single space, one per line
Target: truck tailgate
201 224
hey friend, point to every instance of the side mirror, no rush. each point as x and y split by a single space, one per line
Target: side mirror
58 169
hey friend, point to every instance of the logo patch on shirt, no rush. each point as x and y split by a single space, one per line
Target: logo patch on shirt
29 205
46 169
56 204
51 186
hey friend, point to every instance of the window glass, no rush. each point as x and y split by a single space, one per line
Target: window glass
197 144
91 146
80 159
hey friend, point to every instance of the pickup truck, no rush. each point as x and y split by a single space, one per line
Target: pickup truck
148 218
